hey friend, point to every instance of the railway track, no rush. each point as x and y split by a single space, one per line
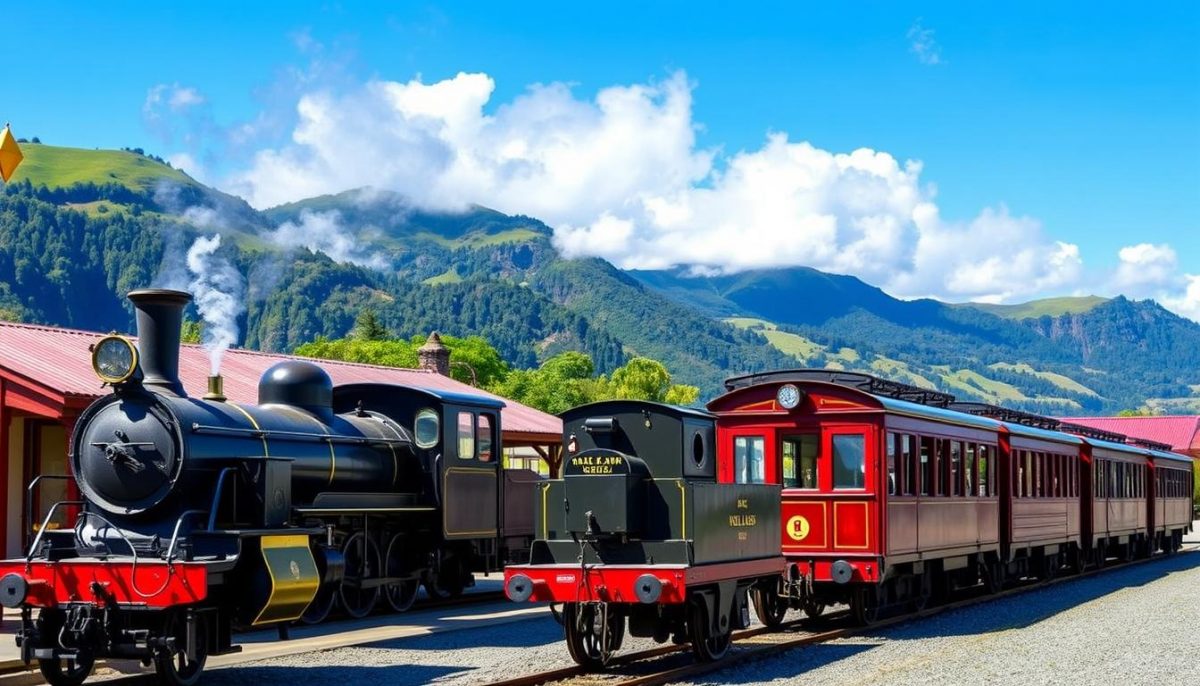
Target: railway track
673 663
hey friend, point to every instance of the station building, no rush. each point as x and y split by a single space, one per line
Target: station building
1181 432
46 381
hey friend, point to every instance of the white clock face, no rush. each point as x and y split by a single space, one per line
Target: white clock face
788 396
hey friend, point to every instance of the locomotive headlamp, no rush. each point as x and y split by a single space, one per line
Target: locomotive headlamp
114 359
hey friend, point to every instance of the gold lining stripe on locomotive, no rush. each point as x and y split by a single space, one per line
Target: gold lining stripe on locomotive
446 511
332 453
682 509
294 578
254 423
545 520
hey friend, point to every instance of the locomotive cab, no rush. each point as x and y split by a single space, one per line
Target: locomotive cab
639 531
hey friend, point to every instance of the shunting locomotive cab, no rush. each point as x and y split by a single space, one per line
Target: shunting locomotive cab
638 532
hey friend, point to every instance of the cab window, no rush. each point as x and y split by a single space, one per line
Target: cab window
483 437
426 428
800 461
748 459
849 461
466 435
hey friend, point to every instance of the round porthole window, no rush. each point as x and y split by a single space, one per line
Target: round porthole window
698 448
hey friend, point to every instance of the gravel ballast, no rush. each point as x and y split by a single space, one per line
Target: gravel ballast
1139 625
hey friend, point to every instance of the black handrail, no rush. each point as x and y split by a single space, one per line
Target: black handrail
29 500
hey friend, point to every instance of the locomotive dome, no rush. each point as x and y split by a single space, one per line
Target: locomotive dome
299 384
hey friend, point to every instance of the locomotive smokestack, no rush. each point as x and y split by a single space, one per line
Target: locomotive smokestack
159 321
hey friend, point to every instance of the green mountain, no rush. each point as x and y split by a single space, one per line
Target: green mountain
1046 307
82 227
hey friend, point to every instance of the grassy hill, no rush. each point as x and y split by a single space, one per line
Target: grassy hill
55 166
1046 307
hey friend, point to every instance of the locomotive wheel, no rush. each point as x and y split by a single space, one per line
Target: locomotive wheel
174 667
362 563
321 605
769 605
447 581
590 641
813 609
706 646
65 671
400 595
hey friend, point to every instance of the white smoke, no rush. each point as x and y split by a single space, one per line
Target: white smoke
219 291
325 232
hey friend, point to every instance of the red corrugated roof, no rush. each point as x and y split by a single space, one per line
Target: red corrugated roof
59 360
1181 432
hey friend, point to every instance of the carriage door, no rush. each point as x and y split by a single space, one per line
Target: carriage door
849 478
470 476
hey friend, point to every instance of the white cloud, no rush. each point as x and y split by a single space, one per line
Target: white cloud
1143 268
174 97
1146 270
1185 303
922 44
620 176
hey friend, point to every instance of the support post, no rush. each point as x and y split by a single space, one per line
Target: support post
5 420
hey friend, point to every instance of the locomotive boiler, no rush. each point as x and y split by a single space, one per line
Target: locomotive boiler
201 515
638 532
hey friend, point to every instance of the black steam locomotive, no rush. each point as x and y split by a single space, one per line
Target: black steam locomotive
202 515
638 531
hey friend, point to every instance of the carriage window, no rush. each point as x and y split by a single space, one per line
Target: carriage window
800 461
849 461
956 468
908 464
1027 479
748 459
466 435
927 466
983 471
892 441
483 436
969 469
426 429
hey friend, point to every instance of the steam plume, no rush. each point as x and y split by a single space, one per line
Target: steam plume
219 291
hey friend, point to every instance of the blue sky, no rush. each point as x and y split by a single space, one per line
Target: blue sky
1085 122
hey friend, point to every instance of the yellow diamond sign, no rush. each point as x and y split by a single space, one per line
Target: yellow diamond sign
10 154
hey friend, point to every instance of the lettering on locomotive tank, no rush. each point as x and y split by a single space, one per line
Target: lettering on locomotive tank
597 464
742 520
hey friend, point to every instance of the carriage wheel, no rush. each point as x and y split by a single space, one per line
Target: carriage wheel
591 641
402 594
706 646
362 563
865 604
813 609
993 577
923 592
769 604
173 666
63 671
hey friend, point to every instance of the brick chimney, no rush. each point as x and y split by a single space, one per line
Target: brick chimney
434 356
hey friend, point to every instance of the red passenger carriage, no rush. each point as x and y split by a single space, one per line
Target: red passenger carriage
892 492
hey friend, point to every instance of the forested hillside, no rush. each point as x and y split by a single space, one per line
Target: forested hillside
73 241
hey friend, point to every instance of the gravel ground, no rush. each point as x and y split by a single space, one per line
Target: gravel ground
1109 628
